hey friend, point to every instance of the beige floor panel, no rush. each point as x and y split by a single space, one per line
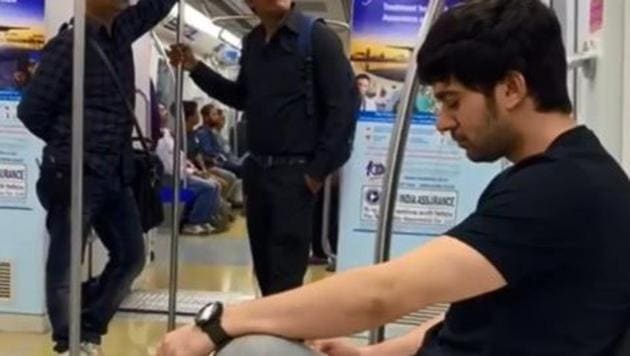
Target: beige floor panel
137 335
127 337
239 279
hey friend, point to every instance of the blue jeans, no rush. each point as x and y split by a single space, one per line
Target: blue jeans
109 208
205 203
233 166
264 345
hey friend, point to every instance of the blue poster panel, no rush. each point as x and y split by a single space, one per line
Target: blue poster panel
21 216
438 186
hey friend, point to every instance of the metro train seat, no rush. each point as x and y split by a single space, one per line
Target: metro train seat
167 196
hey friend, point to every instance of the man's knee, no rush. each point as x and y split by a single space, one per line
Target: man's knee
264 345
131 260
136 262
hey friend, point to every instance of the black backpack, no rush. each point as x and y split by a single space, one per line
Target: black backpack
305 49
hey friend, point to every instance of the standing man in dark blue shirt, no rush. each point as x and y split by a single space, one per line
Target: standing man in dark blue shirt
110 208
291 152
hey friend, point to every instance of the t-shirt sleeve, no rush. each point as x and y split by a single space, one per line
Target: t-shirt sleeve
532 222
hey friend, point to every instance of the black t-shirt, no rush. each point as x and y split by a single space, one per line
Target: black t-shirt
557 227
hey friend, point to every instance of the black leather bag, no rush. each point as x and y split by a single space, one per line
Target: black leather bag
147 183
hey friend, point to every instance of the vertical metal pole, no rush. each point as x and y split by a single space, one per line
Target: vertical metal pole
172 292
326 218
160 48
184 142
576 49
397 145
76 206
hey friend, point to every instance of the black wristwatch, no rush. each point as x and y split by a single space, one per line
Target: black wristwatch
208 319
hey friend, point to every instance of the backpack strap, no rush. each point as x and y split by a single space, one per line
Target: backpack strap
305 48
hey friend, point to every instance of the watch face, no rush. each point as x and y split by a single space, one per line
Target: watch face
206 313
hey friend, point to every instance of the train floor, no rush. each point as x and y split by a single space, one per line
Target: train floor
216 267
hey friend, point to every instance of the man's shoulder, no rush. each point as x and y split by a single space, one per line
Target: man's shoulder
321 25
321 30
249 36
543 178
542 167
203 130
62 41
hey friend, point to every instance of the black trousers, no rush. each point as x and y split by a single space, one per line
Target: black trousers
110 208
280 224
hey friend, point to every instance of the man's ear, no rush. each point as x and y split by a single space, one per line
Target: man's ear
512 90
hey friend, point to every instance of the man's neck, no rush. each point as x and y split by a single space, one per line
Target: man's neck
537 132
272 24
104 21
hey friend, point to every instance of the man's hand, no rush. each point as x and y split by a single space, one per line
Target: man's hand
313 184
182 54
186 341
337 347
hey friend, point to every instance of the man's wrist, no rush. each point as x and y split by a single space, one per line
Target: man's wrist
194 66
205 338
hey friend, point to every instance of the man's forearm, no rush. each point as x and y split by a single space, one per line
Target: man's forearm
218 87
340 305
406 345
138 19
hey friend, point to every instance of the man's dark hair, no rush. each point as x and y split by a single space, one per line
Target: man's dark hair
190 108
206 109
362 76
480 41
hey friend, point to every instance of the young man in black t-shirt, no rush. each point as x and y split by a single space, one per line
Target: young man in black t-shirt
541 268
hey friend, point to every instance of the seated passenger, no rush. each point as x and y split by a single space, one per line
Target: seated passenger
196 153
541 267
208 142
203 215
214 123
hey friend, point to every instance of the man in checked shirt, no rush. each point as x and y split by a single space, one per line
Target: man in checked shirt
109 205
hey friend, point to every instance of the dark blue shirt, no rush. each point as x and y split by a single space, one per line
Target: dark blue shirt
46 106
271 90
210 146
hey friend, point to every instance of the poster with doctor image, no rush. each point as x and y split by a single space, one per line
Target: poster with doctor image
384 35
21 40
438 185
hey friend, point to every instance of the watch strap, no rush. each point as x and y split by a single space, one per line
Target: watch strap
215 331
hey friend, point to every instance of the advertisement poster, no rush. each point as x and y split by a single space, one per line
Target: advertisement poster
438 185
22 36
21 39
596 17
